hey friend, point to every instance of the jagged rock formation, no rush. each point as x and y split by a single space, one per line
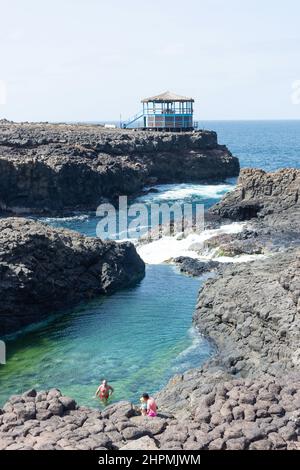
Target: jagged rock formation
43 269
46 167
273 197
246 242
252 313
271 204
195 267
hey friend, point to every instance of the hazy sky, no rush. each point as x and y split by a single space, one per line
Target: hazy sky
94 59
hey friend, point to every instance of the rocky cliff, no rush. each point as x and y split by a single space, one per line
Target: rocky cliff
252 313
270 196
46 167
43 269
271 204
251 310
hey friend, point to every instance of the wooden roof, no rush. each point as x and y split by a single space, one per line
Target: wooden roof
168 97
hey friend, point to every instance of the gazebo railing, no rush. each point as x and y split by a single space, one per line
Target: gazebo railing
161 120
169 121
157 109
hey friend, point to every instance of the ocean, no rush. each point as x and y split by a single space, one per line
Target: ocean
269 145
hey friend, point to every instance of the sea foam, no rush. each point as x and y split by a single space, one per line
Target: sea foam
165 248
61 220
171 192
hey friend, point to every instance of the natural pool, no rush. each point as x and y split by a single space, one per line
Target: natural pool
137 338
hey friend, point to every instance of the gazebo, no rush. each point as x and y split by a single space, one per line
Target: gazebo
166 112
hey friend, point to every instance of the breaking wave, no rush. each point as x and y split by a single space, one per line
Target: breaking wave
162 250
183 192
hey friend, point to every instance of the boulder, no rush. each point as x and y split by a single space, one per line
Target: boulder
143 443
195 267
43 269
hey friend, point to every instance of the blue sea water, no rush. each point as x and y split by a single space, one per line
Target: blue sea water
269 145
139 337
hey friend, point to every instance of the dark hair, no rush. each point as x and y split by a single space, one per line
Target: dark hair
146 396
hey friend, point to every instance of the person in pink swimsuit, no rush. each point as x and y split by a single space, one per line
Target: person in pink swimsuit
104 392
151 409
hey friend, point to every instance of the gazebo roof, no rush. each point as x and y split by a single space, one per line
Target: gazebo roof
168 97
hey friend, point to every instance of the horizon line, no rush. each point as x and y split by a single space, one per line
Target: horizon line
103 121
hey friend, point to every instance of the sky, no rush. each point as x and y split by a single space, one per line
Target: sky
94 60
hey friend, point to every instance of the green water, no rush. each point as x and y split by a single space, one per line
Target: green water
137 339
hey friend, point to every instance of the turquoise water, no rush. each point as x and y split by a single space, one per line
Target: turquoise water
137 338
140 337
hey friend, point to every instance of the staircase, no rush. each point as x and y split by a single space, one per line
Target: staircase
133 119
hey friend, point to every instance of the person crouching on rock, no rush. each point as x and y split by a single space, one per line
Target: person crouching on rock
143 407
148 406
104 392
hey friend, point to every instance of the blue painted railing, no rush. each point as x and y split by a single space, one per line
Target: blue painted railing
148 114
133 119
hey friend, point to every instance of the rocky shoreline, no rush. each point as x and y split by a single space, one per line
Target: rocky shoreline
271 201
60 168
232 414
252 313
43 269
251 310
248 395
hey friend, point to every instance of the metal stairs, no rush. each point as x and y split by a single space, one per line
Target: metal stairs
133 119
